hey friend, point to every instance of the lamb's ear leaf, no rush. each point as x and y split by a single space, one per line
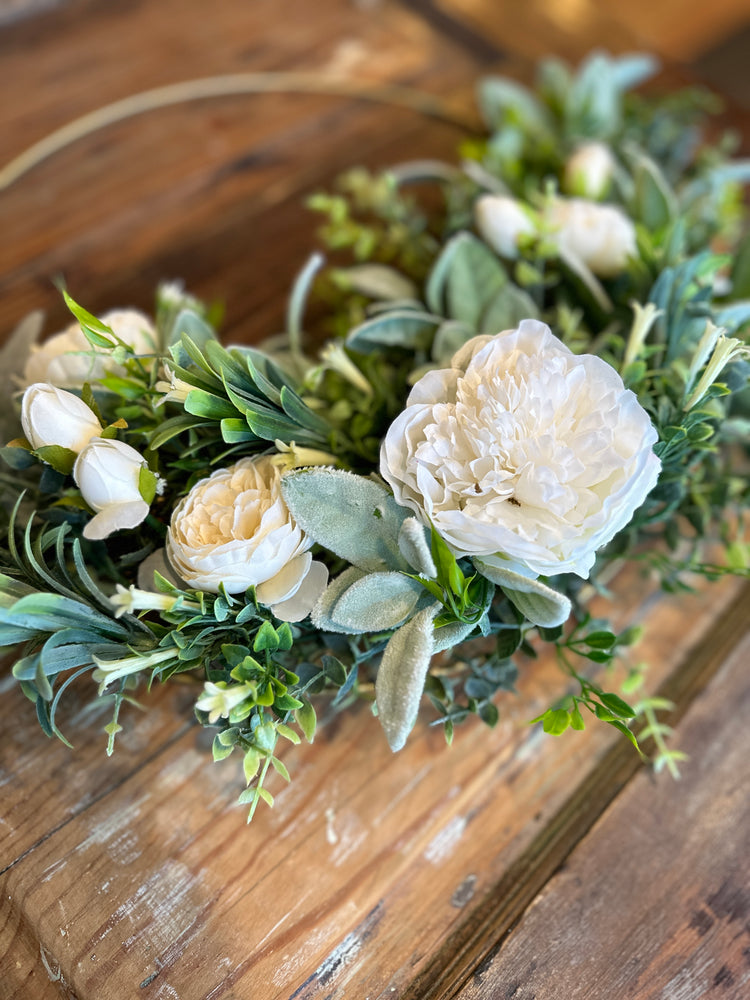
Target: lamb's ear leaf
539 603
402 674
376 602
448 636
353 517
414 545
321 612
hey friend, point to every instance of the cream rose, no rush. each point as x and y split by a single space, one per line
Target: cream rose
601 236
109 475
234 528
51 416
68 360
522 454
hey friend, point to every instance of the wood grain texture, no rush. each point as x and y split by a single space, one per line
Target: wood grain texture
160 877
676 30
211 191
654 903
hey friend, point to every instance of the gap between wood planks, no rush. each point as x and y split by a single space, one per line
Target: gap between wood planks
479 938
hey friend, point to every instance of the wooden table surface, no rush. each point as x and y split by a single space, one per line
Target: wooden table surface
509 866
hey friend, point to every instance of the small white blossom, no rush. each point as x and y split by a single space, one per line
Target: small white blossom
175 389
52 416
522 452
220 698
725 350
129 600
234 528
114 670
335 357
643 320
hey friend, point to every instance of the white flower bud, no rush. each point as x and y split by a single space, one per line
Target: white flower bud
108 474
501 221
588 171
51 416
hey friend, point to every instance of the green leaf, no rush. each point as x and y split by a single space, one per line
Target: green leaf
401 676
539 603
236 431
280 768
61 459
502 100
397 328
556 721
473 281
250 764
654 201
617 706
266 638
600 640
97 333
205 404
285 636
306 719
147 482
219 750
353 517
576 719
376 602
334 670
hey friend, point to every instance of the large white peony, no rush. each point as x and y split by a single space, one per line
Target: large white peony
522 454
234 528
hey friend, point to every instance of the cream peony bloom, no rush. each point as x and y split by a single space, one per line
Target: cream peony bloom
501 221
601 236
51 416
68 360
234 528
108 474
522 454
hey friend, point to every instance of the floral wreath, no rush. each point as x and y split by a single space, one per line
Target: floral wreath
541 377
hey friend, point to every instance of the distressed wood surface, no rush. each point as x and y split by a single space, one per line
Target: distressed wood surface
375 875
605 926
158 877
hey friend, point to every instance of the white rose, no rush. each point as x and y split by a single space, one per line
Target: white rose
51 416
234 528
68 360
588 171
526 455
501 221
601 236
108 474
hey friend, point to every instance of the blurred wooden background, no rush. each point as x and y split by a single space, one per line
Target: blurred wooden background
510 866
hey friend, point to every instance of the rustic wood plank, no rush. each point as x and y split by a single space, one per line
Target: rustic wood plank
605 926
161 879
